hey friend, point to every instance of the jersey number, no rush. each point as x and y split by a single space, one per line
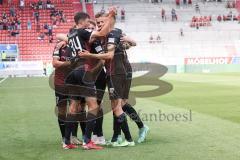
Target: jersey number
75 45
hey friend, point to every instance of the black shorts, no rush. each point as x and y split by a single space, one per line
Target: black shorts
128 85
80 84
101 84
60 98
118 86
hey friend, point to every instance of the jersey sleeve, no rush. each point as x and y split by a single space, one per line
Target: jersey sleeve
97 47
113 38
85 34
56 53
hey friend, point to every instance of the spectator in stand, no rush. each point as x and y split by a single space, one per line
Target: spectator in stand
41 36
210 18
44 5
40 4
158 38
12 11
62 17
50 39
33 5
197 8
219 18
102 10
224 18
4 16
29 24
185 2
154 1
45 26
49 4
190 2
15 25
21 4
233 4
163 14
122 14
18 24
229 4
230 16
151 39
174 15
50 30
1 24
178 3
181 32
11 25
14 33
36 15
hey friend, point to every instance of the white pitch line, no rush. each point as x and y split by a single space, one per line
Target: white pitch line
3 79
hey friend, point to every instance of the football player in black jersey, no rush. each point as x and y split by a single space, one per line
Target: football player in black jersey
80 80
96 48
127 108
127 42
116 80
61 58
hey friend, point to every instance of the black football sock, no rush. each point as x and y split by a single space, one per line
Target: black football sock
83 127
115 126
75 129
69 123
99 124
83 122
61 127
122 121
116 129
131 112
90 124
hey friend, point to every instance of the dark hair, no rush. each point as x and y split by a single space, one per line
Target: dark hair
92 22
80 16
101 14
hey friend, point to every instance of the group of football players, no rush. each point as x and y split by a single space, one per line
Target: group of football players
91 57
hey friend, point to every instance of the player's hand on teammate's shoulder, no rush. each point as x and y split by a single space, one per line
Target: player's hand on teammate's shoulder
84 53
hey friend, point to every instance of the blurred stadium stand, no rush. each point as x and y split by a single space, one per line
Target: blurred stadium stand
30 47
142 20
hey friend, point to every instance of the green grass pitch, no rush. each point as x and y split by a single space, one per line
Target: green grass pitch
29 131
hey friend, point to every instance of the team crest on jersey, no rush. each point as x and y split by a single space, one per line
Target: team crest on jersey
98 48
111 90
111 40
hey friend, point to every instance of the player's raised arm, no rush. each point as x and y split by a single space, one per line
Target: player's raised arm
62 37
107 27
